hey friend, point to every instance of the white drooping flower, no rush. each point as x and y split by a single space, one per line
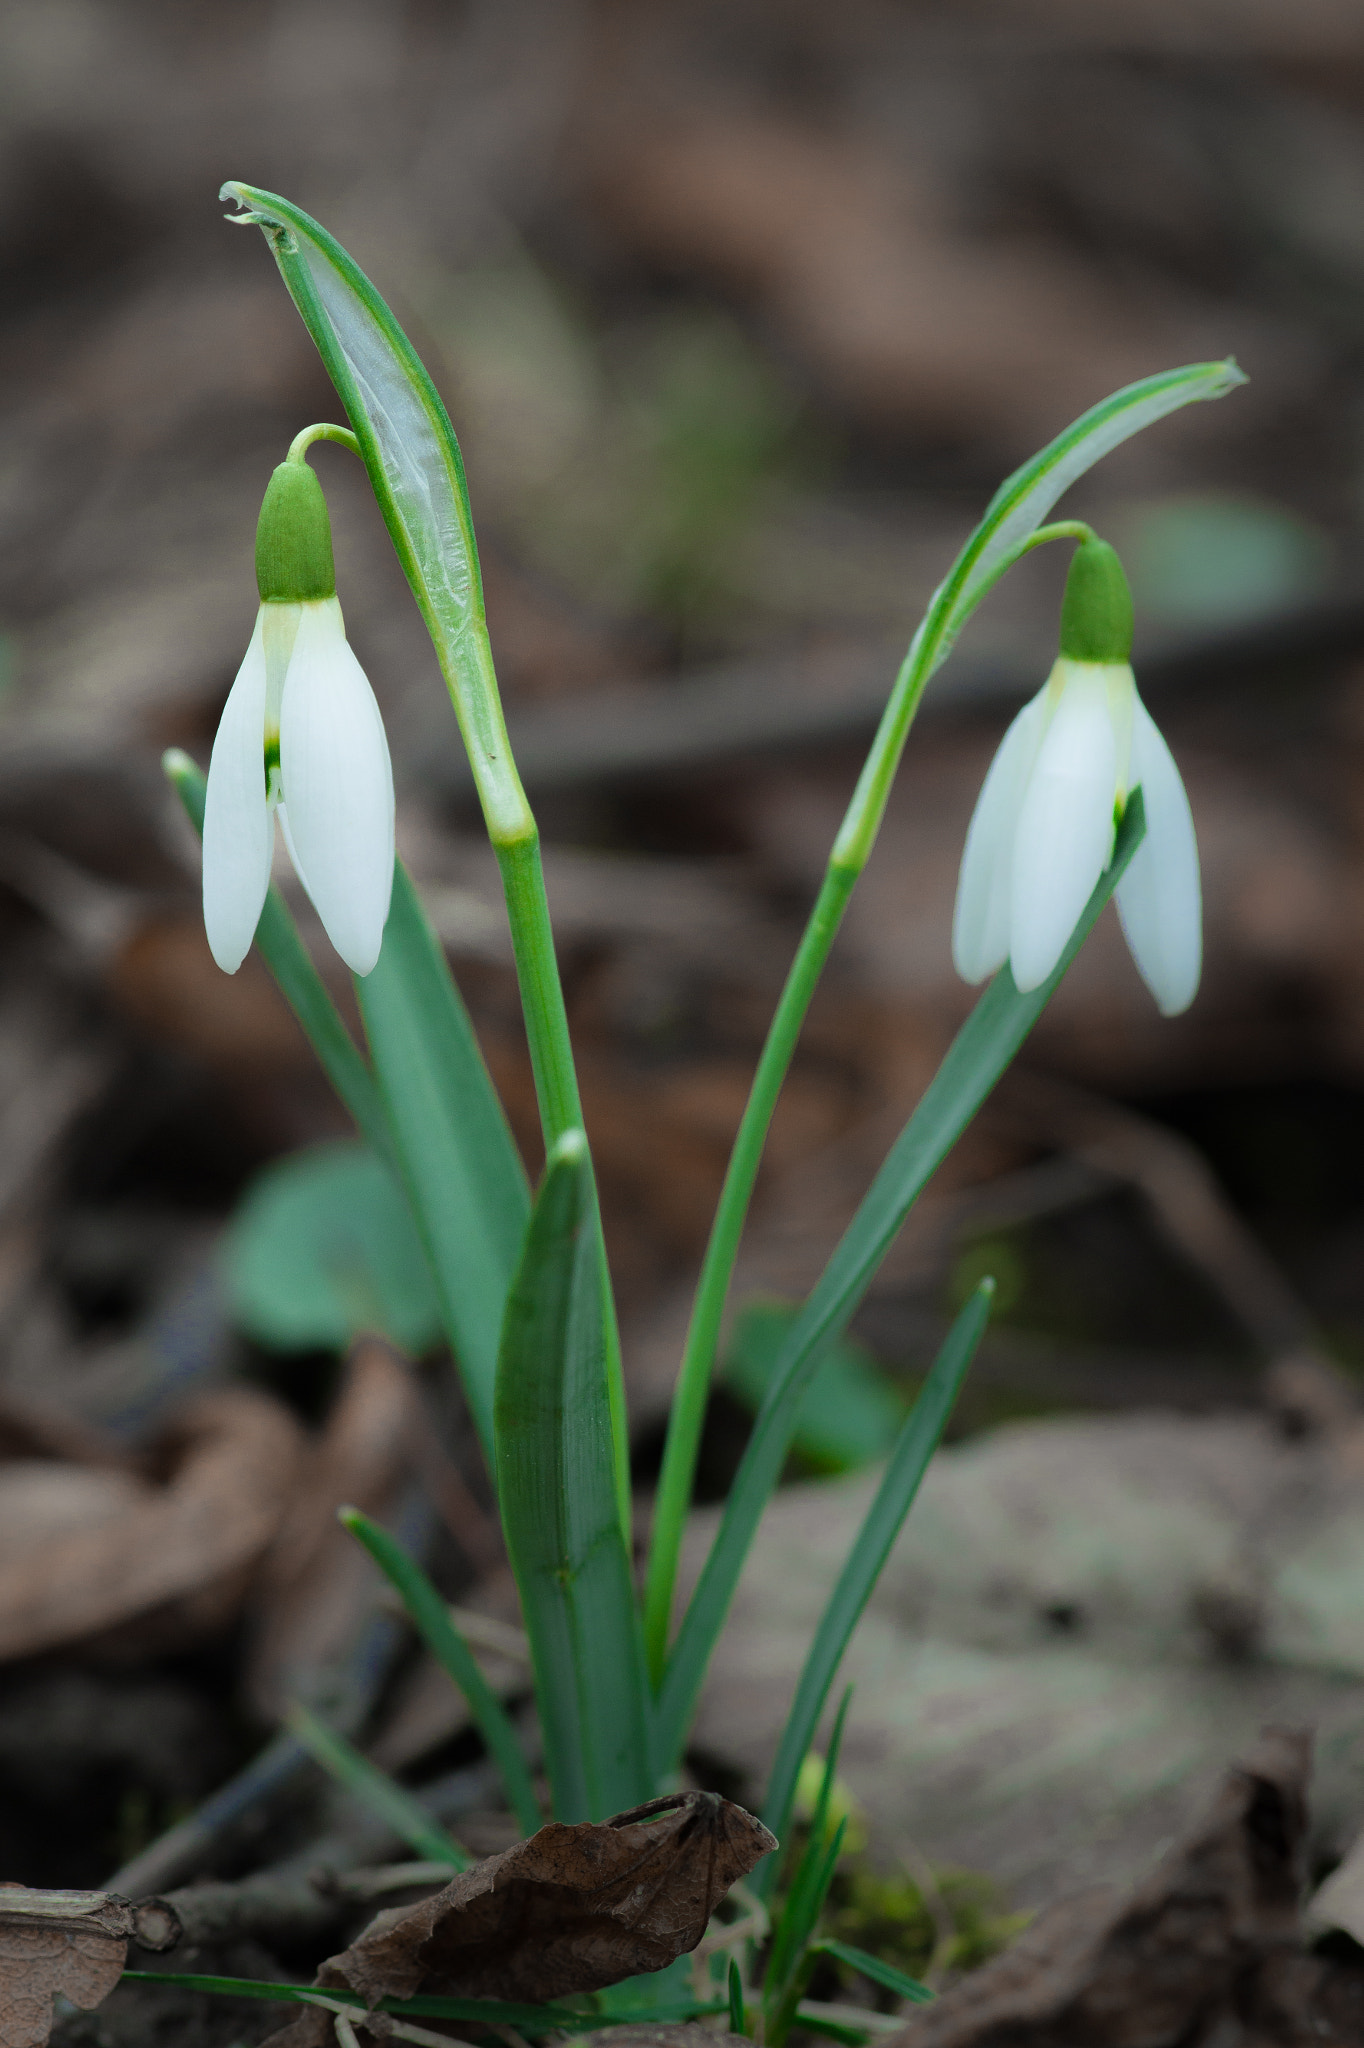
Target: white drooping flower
300 738
1044 824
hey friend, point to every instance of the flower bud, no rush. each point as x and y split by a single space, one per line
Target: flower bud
1096 611
294 539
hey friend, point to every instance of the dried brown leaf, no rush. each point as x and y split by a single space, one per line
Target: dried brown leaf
173 1556
72 1943
571 1909
1220 1910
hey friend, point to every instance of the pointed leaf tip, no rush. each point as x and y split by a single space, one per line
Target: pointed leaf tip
570 1149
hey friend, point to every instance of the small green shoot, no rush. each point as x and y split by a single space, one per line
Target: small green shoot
406 1816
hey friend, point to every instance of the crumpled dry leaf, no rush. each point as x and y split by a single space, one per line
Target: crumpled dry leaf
1104 1971
571 1909
72 1943
173 1557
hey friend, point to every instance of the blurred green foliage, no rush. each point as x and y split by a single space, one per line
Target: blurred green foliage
324 1247
961 1924
626 462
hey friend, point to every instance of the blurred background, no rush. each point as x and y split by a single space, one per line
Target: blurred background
741 311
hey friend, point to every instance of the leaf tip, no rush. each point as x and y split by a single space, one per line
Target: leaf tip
985 1291
570 1149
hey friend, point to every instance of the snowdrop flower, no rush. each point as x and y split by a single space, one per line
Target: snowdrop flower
300 738
1045 821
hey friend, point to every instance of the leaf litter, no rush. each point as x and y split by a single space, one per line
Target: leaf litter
571 1909
68 1944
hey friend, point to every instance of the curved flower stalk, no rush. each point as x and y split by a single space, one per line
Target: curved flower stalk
300 738
1043 828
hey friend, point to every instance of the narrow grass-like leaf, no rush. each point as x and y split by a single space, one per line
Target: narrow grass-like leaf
302 987
556 1485
814 2020
490 2012
879 1972
738 2018
804 1899
978 1055
787 1994
458 1160
406 1816
914 1447
431 1618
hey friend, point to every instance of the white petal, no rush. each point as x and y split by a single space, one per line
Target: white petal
1065 825
238 829
1159 899
980 922
337 786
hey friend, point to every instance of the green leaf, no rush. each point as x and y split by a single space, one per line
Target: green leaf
810 1880
415 468
786 1993
458 1160
850 1413
978 1055
738 2018
879 1972
917 1442
560 1515
431 1618
286 956
491 2012
406 1816
322 1247
813 2021
1024 499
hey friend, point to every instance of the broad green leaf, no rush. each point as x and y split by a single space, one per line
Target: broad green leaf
323 1247
556 1487
301 985
917 1442
407 1817
430 1616
978 1055
849 1415
415 468
458 1161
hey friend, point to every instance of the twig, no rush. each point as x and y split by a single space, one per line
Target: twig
346 2018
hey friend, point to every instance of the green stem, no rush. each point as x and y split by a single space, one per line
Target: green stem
556 1080
693 1381
851 852
322 431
